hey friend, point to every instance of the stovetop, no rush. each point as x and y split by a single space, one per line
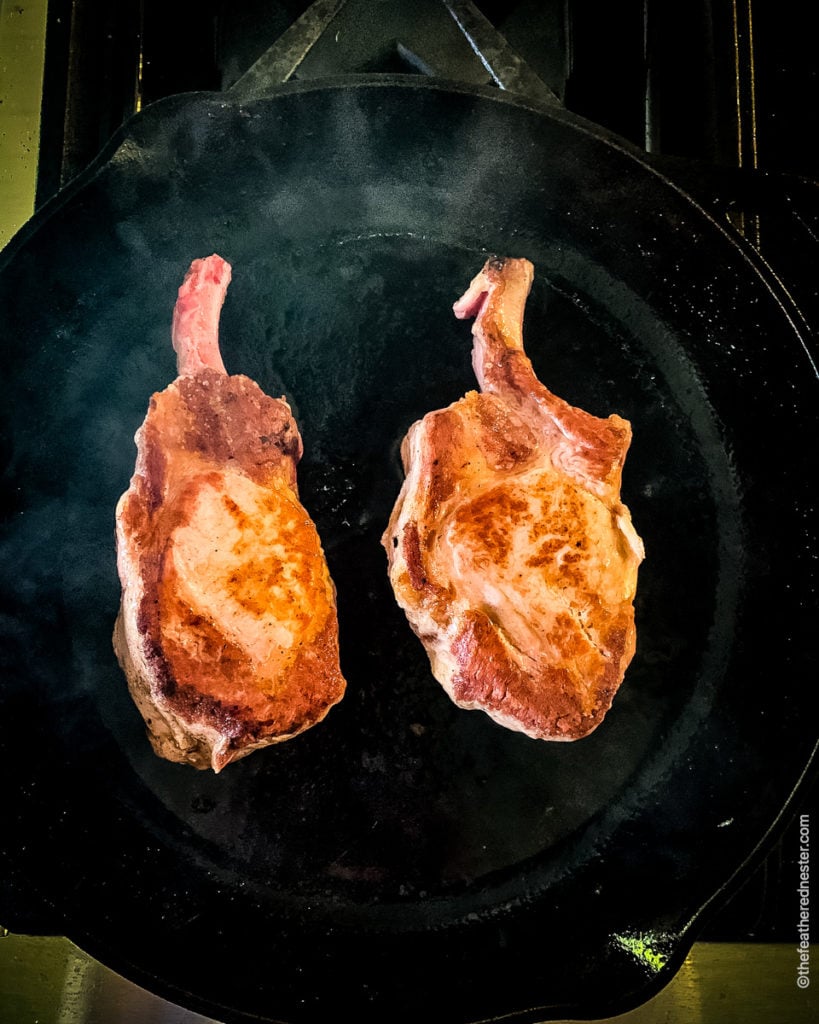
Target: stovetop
722 95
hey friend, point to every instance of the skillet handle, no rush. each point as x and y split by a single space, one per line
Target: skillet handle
488 57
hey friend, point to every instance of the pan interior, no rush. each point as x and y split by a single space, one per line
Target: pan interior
398 795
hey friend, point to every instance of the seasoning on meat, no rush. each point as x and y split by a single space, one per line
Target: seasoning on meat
509 548
227 631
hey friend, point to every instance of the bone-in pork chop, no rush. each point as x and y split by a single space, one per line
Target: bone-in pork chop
509 548
227 631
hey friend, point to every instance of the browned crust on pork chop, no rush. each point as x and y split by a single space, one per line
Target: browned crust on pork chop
227 630
509 548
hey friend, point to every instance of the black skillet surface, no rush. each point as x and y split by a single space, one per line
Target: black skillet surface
404 859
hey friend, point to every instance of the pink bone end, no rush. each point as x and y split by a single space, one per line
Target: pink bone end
195 324
496 298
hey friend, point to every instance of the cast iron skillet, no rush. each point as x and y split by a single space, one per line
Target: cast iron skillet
404 858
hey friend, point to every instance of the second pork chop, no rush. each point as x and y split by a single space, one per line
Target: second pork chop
509 548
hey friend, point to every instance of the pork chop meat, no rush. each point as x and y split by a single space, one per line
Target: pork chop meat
509 548
227 630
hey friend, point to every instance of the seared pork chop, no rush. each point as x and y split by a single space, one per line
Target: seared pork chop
227 631
509 548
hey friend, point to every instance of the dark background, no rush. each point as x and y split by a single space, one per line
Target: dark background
717 87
